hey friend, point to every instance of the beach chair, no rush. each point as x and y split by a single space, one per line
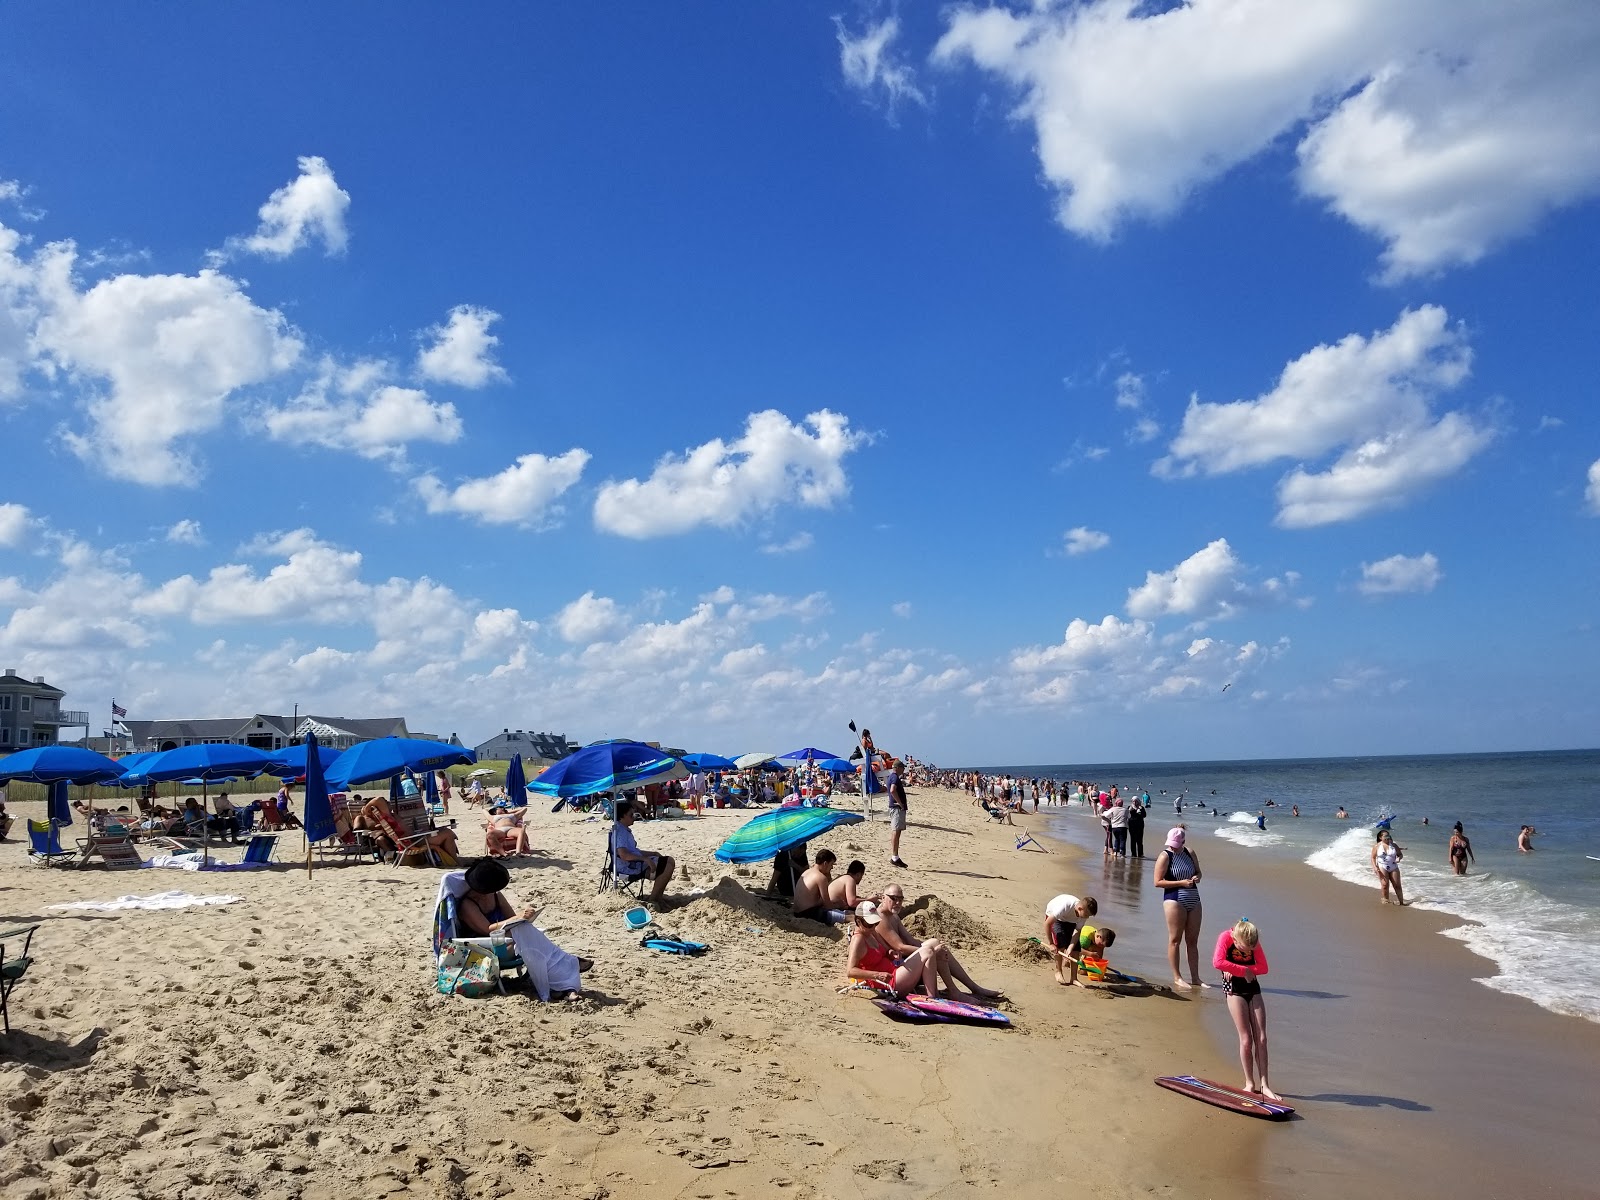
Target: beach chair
117 851
13 966
626 884
44 845
451 888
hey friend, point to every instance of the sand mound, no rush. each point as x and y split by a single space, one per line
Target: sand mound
958 928
1029 950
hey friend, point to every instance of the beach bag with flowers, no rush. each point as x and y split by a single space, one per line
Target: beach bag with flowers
466 970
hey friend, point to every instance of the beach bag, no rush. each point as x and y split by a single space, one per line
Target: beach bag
470 971
673 946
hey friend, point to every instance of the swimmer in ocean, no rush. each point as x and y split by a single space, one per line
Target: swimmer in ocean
1261 820
1295 810
1525 838
1341 814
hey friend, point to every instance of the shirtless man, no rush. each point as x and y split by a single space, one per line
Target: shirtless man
902 941
845 892
811 893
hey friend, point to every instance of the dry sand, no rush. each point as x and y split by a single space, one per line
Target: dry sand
293 1044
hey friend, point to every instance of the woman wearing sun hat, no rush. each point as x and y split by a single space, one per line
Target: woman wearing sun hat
1178 876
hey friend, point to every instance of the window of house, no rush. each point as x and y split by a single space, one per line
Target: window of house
24 736
27 703
5 737
5 703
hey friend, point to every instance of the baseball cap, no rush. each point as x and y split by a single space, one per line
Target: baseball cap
868 912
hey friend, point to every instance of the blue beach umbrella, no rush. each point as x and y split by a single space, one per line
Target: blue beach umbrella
777 829
47 764
516 783
709 762
430 790
133 768
290 762
607 767
805 754
836 766
211 763
383 758
318 818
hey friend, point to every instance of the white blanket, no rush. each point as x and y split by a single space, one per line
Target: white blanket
549 966
159 900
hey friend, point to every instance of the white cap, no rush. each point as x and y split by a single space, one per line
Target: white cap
1060 906
868 912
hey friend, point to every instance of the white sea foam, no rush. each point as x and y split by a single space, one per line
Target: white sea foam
1542 949
1249 835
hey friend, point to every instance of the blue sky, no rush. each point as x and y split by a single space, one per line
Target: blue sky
1013 380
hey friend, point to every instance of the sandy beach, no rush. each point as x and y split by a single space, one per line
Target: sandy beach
292 1044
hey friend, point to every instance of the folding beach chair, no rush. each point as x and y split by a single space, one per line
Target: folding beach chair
624 882
44 844
259 851
13 966
451 888
115 850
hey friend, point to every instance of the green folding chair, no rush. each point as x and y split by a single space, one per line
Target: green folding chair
13 966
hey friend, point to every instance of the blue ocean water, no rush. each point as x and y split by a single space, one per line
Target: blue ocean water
1536 916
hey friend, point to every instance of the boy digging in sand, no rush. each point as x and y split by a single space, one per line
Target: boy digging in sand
1061 917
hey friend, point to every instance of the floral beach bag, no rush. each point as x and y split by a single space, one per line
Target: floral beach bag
467 970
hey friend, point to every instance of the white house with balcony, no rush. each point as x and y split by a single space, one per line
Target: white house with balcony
31 713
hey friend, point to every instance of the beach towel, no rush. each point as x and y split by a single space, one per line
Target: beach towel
549 966
673 946
160 900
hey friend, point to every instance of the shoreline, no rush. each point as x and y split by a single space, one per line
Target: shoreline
292 1044
1382 1036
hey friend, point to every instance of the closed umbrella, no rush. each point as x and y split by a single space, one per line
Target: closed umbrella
383 758
762 837
516 783
318 819
607 767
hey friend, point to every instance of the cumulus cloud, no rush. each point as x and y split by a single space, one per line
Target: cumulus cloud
1372 395
461 351
1082 540
1208 585
317 582
1443 130
725 483
872 67
347 408
523 494
1591 493
1398 574
590 618
160 356
186 533
14 522
901 609
309 208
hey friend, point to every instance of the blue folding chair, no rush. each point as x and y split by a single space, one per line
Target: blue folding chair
260 849
44 844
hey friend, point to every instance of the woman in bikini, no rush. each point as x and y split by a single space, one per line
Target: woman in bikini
872 962
1460 850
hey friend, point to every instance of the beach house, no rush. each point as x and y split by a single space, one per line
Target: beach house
31 712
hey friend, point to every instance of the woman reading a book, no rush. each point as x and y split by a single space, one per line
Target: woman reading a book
488 910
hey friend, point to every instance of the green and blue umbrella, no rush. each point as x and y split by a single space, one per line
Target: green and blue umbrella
779 828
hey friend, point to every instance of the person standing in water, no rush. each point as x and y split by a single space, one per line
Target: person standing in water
1242 961
1460 850
1386 858
1525 838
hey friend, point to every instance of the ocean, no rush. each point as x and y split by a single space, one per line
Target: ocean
1535 916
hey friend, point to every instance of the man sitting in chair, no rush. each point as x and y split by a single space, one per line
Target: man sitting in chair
632 862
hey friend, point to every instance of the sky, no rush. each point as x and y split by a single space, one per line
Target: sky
1050 383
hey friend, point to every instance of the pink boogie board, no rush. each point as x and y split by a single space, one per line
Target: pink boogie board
927 1009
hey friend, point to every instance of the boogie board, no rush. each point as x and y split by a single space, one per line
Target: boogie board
1226 1097
926 1009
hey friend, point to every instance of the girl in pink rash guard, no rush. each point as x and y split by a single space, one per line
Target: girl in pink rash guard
1242 960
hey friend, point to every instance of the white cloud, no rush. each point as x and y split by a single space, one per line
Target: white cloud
800 541
523 494
590 618
1442 129
872 67
14 522
1208 585
725 483
1130 390
1399 574
1591 494
462 349
317 582
1082 540
1372 395
309 208
186 533
1145 429
901 609
346 408
1084 646
171 351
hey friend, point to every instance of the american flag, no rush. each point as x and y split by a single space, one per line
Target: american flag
117 710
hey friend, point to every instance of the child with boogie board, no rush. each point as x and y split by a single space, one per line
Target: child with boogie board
1241 959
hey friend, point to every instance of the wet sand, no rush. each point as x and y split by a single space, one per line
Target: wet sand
1399 1063
291 1046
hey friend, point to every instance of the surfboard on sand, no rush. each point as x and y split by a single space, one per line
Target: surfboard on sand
1226 1097
927 1009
